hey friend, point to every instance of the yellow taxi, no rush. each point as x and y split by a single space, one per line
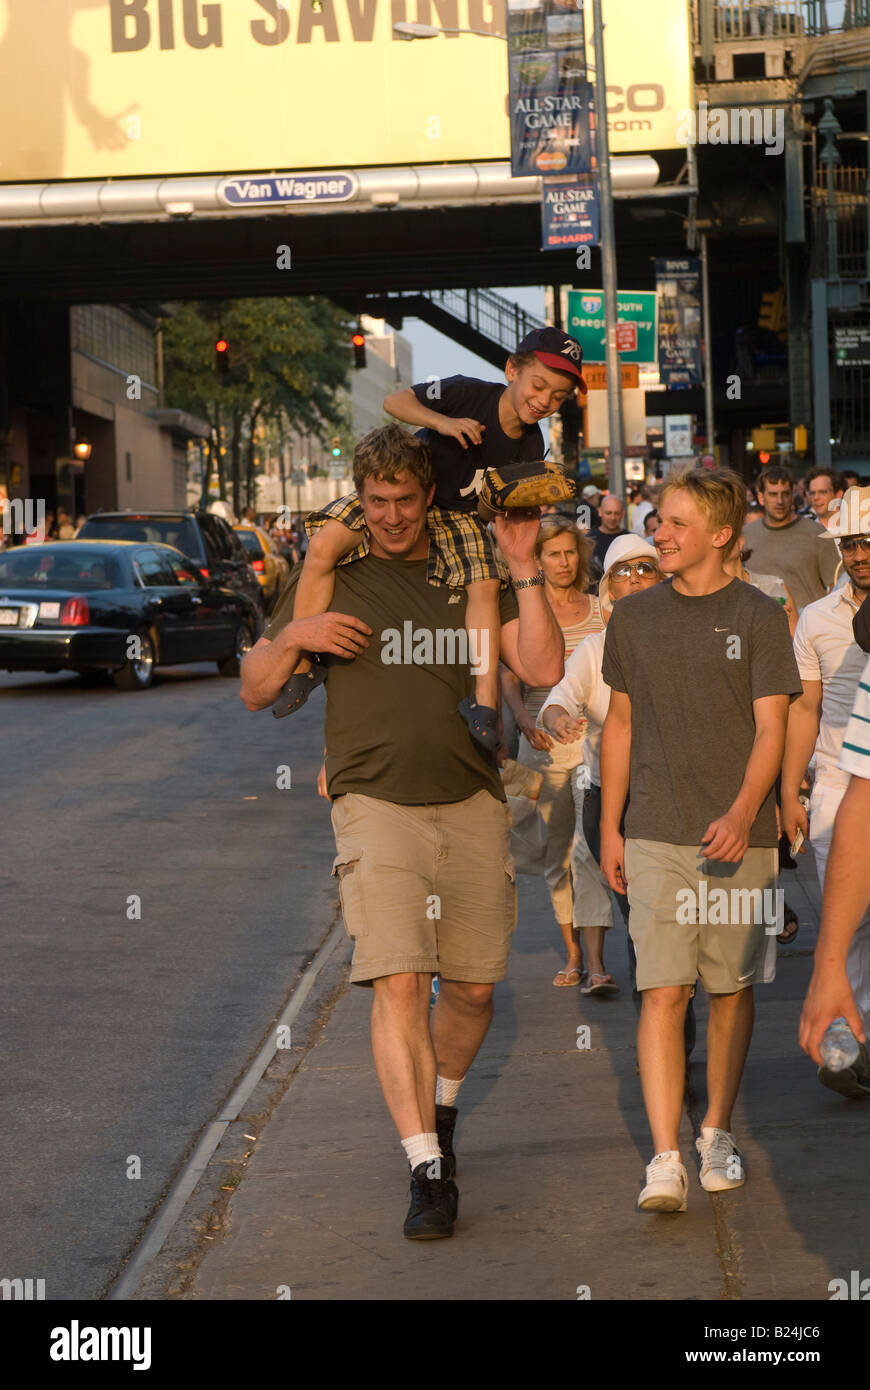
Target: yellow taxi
269 565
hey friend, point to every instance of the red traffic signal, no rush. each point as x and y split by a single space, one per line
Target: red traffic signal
359 348
222 355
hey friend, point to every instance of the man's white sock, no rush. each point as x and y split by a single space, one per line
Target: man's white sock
446 1091
421 1148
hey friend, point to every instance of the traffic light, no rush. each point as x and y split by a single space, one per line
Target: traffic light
222 356
359 348
771 315
764 438
336 447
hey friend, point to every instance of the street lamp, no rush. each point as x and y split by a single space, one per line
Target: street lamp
616 472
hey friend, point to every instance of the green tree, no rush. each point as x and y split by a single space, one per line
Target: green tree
288 362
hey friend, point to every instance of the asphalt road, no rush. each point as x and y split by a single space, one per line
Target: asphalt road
121 1036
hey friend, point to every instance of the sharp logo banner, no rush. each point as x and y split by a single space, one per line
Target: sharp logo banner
678 288
128 88
569 213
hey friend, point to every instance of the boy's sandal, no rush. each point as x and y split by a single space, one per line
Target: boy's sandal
790 927
563 980
295 692
482 721
600 984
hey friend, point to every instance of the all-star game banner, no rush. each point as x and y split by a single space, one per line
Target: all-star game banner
678 290
549 93
569 213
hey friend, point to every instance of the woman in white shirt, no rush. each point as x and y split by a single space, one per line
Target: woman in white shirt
630 565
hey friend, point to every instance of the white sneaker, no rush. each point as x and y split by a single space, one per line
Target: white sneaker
722 1164
667 1183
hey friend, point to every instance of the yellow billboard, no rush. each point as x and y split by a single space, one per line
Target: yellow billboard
94 89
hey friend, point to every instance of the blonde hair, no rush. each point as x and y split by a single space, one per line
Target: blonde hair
719 493
553 526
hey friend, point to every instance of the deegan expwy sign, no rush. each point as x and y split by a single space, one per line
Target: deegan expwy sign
130 88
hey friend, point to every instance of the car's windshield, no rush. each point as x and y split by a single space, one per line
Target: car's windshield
179 531
68 566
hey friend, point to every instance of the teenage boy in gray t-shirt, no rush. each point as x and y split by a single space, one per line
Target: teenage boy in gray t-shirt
701 672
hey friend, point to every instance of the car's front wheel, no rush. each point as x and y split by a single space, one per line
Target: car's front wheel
137 673
244 641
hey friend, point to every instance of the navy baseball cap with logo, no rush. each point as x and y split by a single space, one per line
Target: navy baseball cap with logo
557 350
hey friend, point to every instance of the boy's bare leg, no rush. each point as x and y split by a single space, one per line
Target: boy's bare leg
317 581
661 1056
483 628
729 1033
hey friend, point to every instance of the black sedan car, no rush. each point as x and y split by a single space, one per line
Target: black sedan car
209 541
117 606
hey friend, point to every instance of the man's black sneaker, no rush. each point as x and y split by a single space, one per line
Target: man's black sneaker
854 1081
434 1203
445 1123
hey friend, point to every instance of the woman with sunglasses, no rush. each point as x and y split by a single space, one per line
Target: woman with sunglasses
630 565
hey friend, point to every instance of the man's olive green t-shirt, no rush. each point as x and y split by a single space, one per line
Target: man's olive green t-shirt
393 730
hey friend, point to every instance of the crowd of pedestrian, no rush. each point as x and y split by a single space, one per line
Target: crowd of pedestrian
671 704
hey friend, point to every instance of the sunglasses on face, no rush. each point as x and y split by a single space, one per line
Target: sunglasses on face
850 545
642 568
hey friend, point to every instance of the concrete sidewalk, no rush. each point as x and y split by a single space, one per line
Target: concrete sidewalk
552 1143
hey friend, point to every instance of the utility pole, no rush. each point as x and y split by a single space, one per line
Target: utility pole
710 428
608 264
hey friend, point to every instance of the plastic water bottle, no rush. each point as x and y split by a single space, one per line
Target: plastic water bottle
839 1047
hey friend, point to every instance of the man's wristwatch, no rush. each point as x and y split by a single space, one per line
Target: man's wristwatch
529 583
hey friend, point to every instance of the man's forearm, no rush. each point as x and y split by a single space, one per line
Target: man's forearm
761 769
615 769
800 740
847 876
540 646
267 667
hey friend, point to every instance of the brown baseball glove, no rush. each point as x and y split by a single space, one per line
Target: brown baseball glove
518 485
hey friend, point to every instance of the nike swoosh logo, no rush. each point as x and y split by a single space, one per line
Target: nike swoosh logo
720 629
741 978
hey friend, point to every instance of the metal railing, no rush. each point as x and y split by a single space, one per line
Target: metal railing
497 318
850 201
777 19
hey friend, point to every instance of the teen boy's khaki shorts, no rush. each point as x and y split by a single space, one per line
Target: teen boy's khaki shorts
426 889
690 916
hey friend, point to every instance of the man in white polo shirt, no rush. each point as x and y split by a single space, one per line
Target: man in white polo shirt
831 664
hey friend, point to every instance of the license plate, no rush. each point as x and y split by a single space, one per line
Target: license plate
8 617
49 610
